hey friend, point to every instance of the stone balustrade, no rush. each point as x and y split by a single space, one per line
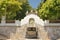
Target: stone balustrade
16 23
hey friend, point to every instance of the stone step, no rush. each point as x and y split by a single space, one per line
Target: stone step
33 39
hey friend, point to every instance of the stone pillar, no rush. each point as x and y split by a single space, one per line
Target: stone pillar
3 20
17 22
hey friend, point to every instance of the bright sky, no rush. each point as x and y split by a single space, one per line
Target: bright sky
34 3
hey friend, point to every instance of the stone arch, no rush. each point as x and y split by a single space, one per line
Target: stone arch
37 19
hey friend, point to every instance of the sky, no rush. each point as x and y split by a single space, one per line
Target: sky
34 3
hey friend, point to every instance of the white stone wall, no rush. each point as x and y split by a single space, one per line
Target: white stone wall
17 30
53 31
5 31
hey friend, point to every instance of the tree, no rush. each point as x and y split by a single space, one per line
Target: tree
9 7
23 1
50 10
21 13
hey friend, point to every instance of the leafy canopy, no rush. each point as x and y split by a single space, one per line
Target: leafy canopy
9 7
50 10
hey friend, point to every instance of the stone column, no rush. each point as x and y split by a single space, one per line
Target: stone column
3 20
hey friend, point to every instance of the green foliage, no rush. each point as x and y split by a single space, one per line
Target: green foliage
23 1
50 10
14 9
9 7
21 13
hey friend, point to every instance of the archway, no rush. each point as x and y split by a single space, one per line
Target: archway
37 19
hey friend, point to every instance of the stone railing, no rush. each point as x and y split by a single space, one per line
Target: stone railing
10 23
52 22
17 23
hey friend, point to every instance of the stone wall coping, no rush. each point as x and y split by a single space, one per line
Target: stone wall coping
12 24
52 24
